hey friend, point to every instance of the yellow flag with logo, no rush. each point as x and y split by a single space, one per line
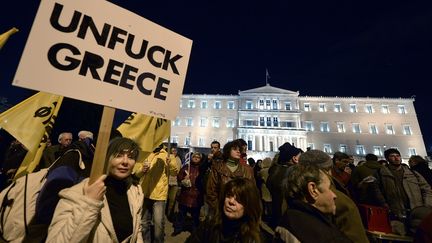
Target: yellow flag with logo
5 36
148 131
31 122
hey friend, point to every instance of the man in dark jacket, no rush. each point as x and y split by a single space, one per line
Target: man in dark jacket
288 156
362 180
311 200
347 218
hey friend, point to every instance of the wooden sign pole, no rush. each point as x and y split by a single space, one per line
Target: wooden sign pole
98 166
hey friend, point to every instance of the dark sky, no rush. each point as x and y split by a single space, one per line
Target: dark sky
328 48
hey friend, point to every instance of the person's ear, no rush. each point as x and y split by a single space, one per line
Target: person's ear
313 190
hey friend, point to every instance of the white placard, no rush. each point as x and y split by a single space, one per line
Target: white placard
101 53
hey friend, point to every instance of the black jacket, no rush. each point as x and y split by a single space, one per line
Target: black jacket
308 224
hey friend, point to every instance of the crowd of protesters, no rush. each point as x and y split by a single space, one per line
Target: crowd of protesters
225 196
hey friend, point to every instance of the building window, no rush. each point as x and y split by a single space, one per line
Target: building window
204 104
249 144
230 123
377 150
309 126
324 127
201 142
401 109
327 148
412 151
187 141
174 139
203 122
215 122
189 121
311 146
288 124
389 129
249 105
385 109
307 107
407 130
275 121
360 150
373 128
230 105
262 121
337 108
217 105
181 104
288 106
268 104
275 104
177 122
261 104
343 148
249 123
191 104
340 127
353 108
322 107
268 121
369 109
356 128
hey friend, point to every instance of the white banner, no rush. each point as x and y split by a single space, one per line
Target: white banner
98 52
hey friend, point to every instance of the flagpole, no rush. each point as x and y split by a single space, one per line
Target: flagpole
266 75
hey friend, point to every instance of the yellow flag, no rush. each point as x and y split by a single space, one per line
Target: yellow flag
5 36
148 131
31 122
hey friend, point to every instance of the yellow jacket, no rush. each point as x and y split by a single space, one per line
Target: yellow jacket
155 181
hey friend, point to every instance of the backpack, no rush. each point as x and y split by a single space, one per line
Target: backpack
18 204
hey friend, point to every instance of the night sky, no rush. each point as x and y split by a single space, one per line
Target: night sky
328 48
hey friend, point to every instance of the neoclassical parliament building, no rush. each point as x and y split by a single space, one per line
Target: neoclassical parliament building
267 116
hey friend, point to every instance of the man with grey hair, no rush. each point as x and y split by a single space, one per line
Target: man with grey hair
87 138
310 199
82 135
347 217
53 152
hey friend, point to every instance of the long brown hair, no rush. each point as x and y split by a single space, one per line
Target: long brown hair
246 193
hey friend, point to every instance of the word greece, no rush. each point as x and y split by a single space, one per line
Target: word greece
67 57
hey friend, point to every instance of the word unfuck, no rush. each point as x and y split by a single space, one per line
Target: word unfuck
67 57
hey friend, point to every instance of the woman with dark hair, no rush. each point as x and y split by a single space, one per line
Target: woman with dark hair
225 171
237 218
86 213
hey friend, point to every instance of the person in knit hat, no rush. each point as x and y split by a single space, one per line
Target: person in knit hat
288 155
